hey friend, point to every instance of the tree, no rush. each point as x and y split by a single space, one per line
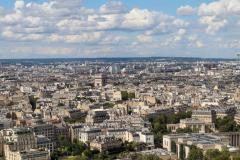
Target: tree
211 153
33 102
131 95
8 115
214 154
137 156
14 116
87 153
108 105
184 130
131 146
124 95
102 156
150 157
159 124
227 124
195 153
77 147
225 154
175 118
54 156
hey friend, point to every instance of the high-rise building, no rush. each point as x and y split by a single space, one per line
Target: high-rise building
114 69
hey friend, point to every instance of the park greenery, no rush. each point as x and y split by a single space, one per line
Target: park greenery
227 124
79 151
75 120
76 150
212 154
108 104
198 154
138 156
127 95
159 124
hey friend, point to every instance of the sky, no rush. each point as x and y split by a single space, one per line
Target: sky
119 28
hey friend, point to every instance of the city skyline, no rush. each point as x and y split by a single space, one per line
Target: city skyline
80 29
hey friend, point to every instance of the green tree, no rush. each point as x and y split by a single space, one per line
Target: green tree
54 156
150 157
159 124
195 153
102 156
131 95
124 95
214 154
88 153
211 153
184 130
175 118
108 105
33 102
227 124
8 115
77 147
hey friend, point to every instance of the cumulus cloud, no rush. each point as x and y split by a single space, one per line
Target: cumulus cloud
186 10
144 39
213 23
217 15
167 25
114 26
220 8
112 39
199 44
52 51
84 37
139 19
71 22
19 5
113 7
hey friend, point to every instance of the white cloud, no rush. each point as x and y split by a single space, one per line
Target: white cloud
114 27
180 35
83 38
199 44
114 40
55 21
186 10
219 14
220 8
113 7
213 24
182 31
52 51
19 5
11 19
139 19
167 25
144 39
70 4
